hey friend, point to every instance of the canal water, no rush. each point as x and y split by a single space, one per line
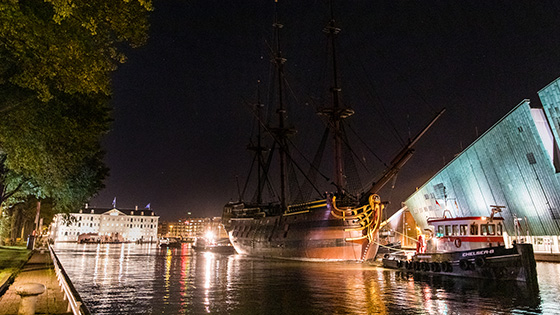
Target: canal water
146 279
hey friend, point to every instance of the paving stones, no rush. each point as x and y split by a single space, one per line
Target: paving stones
40 270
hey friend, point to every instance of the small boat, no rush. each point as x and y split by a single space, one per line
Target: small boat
468 247
169 242
88 238
221 246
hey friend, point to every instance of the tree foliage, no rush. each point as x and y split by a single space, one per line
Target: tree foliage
56 57
65 45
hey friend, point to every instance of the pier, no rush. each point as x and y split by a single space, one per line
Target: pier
58 295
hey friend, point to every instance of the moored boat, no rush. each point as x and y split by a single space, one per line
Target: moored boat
220 246
169 242
341 225
468 247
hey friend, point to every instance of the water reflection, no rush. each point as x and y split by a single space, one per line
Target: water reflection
130 278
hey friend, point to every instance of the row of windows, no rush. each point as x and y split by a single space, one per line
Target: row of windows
78 233
90 218
128 225
462 229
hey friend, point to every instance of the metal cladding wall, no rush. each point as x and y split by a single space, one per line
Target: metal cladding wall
511 165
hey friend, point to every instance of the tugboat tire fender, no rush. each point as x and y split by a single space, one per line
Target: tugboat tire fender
407 265
463 264
480 262
435 267
446 266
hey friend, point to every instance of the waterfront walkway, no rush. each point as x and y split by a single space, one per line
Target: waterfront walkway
39 269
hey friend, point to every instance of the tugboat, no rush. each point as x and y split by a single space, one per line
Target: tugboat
468 247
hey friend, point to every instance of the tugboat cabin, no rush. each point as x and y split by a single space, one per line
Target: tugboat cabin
464 233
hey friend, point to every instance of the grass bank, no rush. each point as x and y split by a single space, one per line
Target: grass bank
11 258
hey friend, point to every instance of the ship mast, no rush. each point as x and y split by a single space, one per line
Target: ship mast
258 148
336 113
281 132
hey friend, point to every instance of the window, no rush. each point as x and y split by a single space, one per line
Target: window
531 158
463 229
448 230
499 230
487 229
455 230
474 229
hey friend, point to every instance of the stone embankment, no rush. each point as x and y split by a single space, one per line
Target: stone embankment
37 288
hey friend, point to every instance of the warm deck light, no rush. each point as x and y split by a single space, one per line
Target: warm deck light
209 235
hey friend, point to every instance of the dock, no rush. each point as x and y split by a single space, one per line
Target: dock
40 269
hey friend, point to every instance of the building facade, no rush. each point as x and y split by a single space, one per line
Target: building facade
191 228
515 164
106 225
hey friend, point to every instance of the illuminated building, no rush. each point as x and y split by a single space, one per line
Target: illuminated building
515 164
109 225
185 229
191 228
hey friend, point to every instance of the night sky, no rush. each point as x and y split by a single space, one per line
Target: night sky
181 113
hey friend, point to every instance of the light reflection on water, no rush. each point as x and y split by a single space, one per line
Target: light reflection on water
146 279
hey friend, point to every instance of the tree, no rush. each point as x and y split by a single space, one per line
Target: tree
67 46
56 57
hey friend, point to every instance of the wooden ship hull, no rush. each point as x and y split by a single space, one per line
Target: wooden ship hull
317 231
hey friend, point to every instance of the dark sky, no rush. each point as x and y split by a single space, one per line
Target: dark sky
181 119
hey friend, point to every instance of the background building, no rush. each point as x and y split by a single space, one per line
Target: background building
191 228
110 225
514 164
187 229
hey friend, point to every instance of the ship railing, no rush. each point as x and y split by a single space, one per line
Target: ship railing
305 207
368 216
75 303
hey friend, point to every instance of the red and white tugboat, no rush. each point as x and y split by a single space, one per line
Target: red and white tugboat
468 247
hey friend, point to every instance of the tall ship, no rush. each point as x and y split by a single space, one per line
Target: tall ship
282 222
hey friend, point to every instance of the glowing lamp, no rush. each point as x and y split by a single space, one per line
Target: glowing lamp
209 235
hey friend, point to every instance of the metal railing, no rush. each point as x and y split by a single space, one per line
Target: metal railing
75 303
